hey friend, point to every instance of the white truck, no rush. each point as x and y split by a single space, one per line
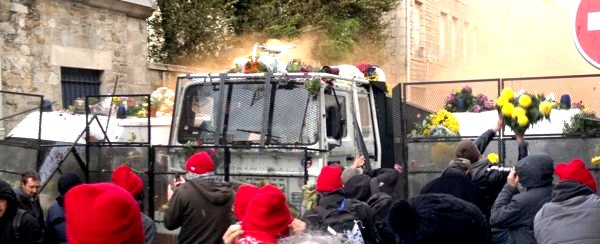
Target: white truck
266 125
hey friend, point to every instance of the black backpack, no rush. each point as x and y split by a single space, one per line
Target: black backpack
380 203
340 221
16 223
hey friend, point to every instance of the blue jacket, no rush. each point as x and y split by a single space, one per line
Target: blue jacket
55 229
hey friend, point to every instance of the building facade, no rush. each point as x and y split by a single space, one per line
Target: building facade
64 49
486 39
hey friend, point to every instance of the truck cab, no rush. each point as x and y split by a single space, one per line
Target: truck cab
280 127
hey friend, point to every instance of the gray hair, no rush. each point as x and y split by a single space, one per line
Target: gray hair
311 238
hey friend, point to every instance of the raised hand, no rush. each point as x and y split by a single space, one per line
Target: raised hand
513 179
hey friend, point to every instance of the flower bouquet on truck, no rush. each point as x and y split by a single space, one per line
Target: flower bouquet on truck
521 111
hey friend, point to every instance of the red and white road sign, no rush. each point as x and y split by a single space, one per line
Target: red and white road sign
586 33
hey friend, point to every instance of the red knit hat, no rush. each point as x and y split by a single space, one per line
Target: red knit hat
576 170
330 179
267 217
200 163
102 213
242 197
123 177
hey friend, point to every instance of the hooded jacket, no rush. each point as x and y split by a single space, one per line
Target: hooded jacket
29 229
455 182
490 182
438 218
570 217
202 209
514 210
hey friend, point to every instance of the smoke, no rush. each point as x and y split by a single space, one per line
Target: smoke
514 39
306 48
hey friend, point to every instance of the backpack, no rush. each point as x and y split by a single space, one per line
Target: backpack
380 203
341 221
16 223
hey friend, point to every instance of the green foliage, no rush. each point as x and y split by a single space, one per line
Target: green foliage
582 122
187 30
313 86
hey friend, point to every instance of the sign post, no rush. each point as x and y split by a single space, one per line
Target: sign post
586 33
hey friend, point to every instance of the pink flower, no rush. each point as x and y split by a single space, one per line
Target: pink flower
212 151
451 98
476 108
467 89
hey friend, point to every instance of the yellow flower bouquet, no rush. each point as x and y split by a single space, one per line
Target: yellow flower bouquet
520 112
441 123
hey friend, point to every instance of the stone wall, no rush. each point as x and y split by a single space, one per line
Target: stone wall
38 37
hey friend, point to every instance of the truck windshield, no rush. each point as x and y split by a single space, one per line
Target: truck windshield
285 114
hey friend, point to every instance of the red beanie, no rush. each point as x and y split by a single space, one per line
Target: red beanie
102 213
330 179
123 177
576 170
267 217
200 163
242 197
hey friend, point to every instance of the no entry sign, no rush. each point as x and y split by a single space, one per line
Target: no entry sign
586 33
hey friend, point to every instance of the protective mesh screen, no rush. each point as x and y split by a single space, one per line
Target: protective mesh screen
286 110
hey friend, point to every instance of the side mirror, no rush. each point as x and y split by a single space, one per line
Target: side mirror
334 123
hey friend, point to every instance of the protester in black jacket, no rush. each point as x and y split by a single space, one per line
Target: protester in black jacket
514 210
28 195
490 181
333 199
489 178
438 219
28 230
456 181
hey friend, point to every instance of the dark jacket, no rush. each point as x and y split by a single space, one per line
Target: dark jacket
332 200
455 182
55 230
366 189
30 206
202 209
29 229
438 218
514 210
490 182
149 230
572 216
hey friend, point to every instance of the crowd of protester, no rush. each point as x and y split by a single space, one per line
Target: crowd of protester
472 201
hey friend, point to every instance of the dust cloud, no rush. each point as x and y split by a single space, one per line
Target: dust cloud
305 49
